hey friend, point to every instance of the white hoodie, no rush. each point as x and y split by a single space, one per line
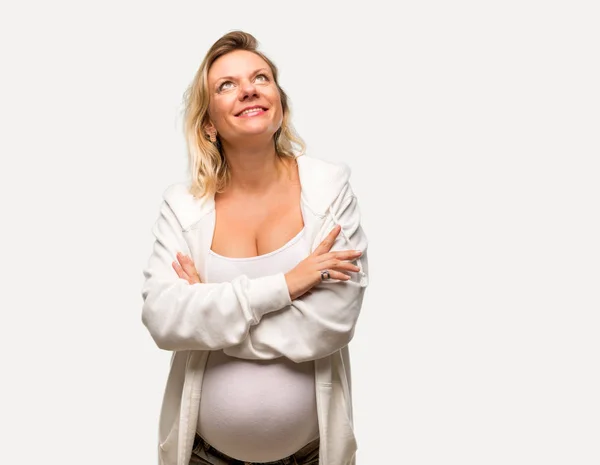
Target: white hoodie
255 318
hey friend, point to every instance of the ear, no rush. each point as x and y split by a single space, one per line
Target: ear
209 127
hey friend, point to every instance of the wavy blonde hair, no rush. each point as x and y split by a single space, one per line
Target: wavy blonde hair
207 164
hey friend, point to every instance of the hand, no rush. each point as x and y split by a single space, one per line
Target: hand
307 273
186 269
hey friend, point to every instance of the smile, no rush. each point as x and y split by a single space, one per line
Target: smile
250 112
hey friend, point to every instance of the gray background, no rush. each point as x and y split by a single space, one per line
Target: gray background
472 132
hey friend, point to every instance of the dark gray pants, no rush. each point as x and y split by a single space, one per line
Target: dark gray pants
204 454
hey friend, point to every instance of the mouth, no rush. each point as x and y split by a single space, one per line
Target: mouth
251 111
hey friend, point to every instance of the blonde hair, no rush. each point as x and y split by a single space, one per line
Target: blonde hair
207 164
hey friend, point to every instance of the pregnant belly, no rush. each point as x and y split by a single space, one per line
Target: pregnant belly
257 410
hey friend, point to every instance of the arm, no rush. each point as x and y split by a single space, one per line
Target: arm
321 321
183 316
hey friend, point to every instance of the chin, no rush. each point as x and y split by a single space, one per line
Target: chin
257 131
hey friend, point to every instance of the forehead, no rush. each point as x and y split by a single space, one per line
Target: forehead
236 63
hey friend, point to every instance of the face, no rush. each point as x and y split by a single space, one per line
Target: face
244 99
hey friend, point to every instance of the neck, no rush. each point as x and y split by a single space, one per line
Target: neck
254 168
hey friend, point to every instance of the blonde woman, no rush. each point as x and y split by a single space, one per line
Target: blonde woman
255 281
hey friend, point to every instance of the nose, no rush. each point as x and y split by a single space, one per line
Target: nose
247 90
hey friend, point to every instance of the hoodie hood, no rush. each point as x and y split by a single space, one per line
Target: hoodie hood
321 182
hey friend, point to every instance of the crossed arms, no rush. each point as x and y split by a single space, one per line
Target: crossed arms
253 318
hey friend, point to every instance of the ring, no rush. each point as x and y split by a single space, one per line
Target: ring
325 275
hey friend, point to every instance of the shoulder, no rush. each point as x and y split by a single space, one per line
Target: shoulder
323 181
324 169
187 208
176 190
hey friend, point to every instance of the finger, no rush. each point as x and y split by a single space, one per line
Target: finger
182 274
341 255
347 254
187 264
338 265
336 275
190 269
327 243
346 266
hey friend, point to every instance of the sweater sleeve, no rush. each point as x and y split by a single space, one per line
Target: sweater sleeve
202 316
323 320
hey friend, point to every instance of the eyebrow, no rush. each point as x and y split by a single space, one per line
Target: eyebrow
233 77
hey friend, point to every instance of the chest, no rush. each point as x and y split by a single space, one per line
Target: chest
246 227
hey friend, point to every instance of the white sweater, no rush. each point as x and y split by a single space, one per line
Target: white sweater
255 318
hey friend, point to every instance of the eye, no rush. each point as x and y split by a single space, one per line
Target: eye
226 85
223 86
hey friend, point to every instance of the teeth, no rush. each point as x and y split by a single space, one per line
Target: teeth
251 110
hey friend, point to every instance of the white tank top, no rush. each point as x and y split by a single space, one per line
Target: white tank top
257 410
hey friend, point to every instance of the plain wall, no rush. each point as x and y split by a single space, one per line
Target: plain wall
472 132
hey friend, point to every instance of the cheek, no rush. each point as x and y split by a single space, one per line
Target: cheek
212 112
276 103
279 113
216 112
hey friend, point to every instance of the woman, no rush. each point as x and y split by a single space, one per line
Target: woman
256 280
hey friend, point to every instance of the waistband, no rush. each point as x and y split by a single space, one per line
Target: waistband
201 443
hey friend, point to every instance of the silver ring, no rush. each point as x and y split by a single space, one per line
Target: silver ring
325 275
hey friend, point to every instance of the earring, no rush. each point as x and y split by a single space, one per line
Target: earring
213 136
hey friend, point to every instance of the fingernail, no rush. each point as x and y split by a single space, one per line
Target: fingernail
357 252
